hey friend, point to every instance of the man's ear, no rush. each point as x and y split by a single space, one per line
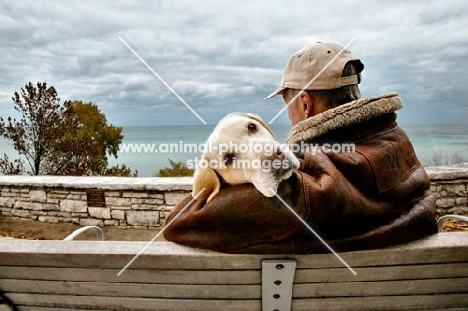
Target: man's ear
307 104
207 179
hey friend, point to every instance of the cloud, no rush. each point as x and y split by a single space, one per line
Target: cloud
227 56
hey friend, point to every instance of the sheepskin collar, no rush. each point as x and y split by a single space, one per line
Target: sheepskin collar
344 116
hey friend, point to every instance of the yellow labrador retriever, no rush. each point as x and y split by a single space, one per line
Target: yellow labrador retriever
242 149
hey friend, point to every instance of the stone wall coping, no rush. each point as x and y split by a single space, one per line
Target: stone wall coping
447 172
167 183
106 183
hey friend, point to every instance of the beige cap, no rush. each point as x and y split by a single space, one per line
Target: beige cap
304 69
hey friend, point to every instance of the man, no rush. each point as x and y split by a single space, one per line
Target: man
372 195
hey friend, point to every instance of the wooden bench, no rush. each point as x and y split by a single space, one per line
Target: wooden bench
430 274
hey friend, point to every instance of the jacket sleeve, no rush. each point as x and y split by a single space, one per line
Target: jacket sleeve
239 219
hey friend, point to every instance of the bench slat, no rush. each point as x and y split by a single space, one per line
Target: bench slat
312 290
32 308
387 288
124 303
409 272
132 276
439 248
227 262
185 291
420 302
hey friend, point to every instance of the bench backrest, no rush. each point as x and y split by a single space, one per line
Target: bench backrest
50 275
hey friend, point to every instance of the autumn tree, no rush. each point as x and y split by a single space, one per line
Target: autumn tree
35 135
88 143
73 139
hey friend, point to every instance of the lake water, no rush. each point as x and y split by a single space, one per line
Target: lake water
429 141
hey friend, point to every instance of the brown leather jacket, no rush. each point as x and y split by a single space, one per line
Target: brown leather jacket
373 197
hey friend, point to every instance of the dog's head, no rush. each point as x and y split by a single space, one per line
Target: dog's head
242 149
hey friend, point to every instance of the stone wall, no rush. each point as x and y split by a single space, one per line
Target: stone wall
450 184
146 201
128 201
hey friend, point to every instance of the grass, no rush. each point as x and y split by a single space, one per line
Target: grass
440 159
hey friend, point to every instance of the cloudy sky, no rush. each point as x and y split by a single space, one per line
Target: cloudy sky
225 56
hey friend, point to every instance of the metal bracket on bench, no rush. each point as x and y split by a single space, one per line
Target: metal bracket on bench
96 229
277 281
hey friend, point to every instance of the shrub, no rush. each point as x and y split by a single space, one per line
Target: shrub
177 169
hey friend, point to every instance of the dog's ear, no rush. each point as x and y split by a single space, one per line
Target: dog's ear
208 179
259 120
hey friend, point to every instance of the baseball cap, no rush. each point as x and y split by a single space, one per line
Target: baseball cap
303 70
